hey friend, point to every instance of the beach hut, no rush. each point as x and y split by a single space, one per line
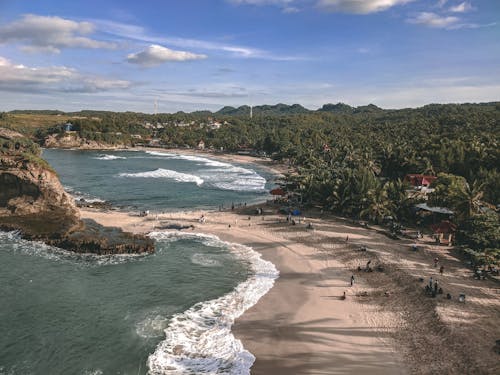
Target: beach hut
444 232
277 191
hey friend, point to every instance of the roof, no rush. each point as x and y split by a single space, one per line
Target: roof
420 179
439 210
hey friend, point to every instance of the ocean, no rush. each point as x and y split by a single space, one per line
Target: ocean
166 313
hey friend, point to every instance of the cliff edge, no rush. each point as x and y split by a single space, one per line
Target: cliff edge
33 201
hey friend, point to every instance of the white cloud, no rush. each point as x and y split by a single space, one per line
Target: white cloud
138 33
50 34
359 6
20 78
156 55
434 20
461 8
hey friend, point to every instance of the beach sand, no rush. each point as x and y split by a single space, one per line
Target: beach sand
386 325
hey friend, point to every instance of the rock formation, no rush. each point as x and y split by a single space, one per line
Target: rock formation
33 201
73 140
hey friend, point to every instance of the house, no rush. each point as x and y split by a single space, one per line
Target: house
68 127
443 232
419 180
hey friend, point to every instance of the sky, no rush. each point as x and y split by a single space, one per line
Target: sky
188 55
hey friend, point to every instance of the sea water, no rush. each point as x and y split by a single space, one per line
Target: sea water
158 180
166 313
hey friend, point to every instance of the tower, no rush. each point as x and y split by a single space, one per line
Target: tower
156 106
251 112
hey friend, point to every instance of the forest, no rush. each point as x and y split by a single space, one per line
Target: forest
350 160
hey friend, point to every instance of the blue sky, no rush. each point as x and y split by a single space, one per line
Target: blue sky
204 54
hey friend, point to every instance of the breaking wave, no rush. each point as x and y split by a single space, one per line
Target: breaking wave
221 175
199 340
109 157
166 173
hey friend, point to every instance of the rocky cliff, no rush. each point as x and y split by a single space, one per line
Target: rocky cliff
73 140
33 201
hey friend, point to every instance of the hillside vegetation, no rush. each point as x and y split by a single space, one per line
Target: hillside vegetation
349 160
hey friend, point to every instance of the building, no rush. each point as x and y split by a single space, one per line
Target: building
68 127
420 180
201 145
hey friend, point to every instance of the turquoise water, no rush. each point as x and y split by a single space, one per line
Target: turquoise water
158 180
166 313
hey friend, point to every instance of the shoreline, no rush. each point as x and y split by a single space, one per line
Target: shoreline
301 324
386 325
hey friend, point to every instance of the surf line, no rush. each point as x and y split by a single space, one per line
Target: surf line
200 340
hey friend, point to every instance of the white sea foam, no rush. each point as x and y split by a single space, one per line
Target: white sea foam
77 195
153 324
109 157
205 260
199 340
221 175
37 248
166 173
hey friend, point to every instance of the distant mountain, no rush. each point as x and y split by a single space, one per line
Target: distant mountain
337 108
370 108
264 110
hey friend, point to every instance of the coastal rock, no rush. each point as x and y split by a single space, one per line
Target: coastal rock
73 140
33 201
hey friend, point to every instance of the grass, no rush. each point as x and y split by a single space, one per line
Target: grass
28 124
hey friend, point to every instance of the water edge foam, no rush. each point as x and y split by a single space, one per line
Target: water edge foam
200 340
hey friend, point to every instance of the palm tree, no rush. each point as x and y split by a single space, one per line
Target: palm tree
467 201
379 205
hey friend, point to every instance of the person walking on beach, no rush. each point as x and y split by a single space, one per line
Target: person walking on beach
436 260
347 239
441 270
430 282
352 280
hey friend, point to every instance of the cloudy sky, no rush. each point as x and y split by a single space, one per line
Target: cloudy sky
204 54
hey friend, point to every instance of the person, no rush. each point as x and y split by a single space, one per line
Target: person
430 282
347 239
435 286
343 296
352 280
436 260
232 206
441 270
368 264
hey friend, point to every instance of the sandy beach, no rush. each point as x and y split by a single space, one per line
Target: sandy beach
386 324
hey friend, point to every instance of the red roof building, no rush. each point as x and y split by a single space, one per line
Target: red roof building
420 179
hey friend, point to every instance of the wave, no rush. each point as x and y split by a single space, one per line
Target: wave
109 157
196 159
166 173
78 196
40 249
205 260
200 340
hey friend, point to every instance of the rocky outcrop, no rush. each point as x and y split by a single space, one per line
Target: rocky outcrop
73 140
33 201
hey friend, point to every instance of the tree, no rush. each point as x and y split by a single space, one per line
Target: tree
480 237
